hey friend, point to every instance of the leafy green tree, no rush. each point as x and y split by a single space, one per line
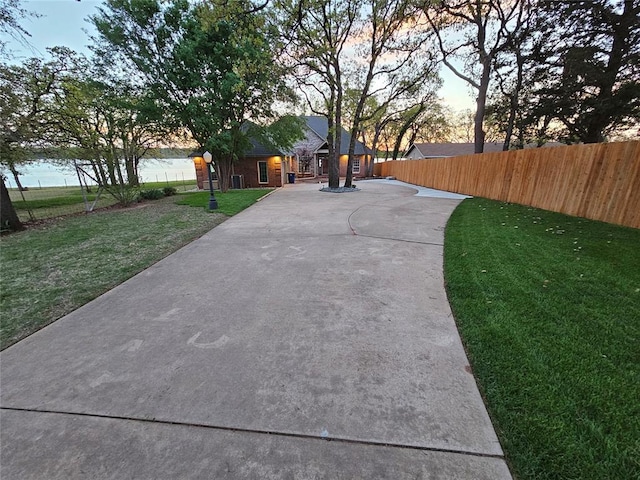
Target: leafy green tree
396 66
27 96
356 62
209 68
591 76
11 12
399 124
515 73
318 35
470 35
106 127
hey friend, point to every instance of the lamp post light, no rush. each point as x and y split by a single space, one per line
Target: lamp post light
213 203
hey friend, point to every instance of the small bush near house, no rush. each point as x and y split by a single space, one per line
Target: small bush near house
153 194
169 191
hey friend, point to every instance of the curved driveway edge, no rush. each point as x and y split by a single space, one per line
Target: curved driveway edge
307 337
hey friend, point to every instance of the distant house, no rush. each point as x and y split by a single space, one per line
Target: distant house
266 167
440 150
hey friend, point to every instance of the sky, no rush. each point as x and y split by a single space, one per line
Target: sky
62 23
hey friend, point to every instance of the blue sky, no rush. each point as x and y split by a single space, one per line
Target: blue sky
62 23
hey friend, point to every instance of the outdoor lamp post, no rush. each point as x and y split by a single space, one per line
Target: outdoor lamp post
213 203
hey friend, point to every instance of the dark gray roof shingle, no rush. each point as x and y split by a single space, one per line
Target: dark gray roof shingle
317 125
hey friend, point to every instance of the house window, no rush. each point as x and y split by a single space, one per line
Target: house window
356 165
262 172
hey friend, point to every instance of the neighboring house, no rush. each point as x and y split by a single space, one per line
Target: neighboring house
439 150
265 167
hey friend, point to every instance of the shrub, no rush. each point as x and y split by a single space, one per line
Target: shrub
169 191
153 194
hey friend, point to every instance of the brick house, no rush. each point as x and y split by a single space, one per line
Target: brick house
264 167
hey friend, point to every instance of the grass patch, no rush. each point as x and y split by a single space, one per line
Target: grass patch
229 203
51 202
548 307
51 270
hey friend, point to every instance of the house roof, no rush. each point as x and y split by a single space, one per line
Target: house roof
320 127
317 129
259 150
435 150
315 136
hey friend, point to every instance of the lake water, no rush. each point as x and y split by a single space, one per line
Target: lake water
43 174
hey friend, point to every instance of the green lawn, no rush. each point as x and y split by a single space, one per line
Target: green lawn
229 203
548 307
54 268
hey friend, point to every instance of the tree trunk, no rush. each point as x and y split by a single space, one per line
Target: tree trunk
514 101
513 107
333 159
8 216
403 131
481 102
223 169
334 164
16 176
132 171
98 170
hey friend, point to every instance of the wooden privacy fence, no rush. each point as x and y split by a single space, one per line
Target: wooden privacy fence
598 181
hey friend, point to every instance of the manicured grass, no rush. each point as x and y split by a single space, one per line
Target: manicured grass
55 268
548 307
229 203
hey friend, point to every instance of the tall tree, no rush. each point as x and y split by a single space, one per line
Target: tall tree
209 66
395 65
27 94
514 68
592 72
473 32
105 126
318 35
11 12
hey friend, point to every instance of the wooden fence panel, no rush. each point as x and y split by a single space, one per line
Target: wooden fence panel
597 181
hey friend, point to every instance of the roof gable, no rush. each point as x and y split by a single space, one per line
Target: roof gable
316 131
320 126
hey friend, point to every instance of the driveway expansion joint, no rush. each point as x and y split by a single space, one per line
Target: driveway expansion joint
399 240
342 440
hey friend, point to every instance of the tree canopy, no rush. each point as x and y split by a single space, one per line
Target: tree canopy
209 68
591 70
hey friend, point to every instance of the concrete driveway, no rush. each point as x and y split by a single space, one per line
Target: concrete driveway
307 337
